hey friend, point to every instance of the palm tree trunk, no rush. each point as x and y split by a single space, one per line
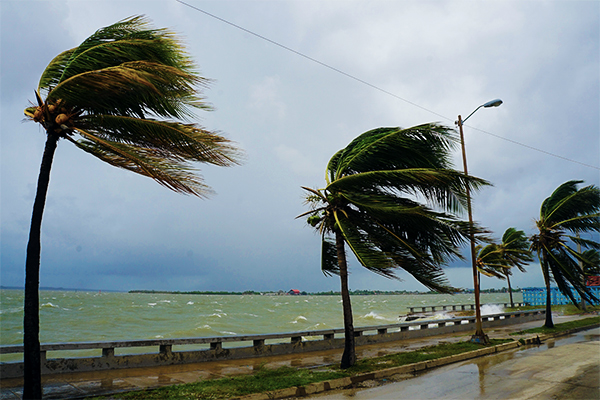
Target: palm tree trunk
31 320
548 323
349 355
512 304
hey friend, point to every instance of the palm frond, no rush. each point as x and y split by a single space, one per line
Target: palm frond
128 40
329 259
425 145
136 88
169 139
366 253
177 176
445 188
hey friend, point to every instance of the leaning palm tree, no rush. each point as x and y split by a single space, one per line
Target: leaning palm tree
514 249
567 210
498 259
122 96
373 204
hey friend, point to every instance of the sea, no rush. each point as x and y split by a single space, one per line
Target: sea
86 316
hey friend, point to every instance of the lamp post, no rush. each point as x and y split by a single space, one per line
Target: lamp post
479 336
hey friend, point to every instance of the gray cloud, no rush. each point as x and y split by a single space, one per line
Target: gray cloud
109 229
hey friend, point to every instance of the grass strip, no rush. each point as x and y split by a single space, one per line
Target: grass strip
562 327
265 380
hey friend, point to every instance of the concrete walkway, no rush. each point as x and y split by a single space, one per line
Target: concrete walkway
561 368
81 385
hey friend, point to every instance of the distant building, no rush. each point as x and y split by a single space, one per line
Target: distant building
294 292
537 296
593 281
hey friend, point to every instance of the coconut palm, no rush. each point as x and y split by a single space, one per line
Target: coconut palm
498 259
373 202
567 210
123 96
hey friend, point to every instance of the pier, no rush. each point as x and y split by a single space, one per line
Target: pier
163 352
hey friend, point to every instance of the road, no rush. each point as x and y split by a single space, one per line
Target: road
566 368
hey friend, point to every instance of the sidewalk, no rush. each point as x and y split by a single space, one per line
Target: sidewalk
81 385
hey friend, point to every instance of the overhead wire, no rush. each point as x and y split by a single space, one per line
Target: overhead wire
377 87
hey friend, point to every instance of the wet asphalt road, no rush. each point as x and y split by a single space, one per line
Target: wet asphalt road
566 368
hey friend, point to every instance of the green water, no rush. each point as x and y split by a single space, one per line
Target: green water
92 316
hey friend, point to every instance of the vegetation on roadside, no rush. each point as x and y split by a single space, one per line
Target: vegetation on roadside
265 380
566 309
564 326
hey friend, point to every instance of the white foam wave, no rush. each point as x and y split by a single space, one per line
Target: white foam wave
50 305
373 315
488 309
189 303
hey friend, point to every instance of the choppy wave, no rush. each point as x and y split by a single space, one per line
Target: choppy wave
298 319
372 315
128 316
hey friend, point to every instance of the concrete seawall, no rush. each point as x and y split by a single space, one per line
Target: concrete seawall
260 345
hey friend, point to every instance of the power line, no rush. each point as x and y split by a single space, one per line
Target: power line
377 87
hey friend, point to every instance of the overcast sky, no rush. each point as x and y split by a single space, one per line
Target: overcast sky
106 228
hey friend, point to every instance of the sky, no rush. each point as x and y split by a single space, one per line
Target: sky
378 64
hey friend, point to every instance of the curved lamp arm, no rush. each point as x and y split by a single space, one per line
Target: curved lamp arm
491 103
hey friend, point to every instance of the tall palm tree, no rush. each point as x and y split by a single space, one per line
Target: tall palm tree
567 210
373 204
120 96
499 259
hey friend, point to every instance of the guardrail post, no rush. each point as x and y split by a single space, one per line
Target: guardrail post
216 345
403 328
382 331
165 349
424 326
108 352
42 356
328 336
296 339
441 324
258 343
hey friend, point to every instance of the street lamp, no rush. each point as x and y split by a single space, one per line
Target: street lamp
479 336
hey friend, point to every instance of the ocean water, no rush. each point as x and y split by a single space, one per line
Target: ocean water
67 316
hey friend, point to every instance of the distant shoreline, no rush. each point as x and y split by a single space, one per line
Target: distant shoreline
330 293
257 293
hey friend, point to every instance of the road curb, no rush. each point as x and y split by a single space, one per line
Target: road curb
341 383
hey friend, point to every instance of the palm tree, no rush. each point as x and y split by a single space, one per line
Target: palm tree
499 259
372 204
567 210
119 96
